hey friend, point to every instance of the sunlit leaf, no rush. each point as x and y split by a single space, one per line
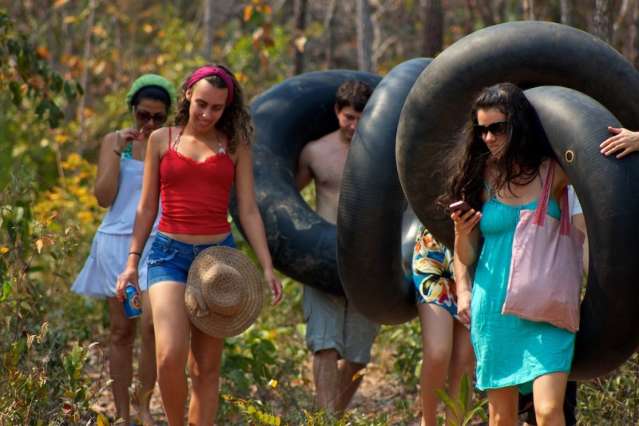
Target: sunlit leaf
43 53
70 19
248 13
299 43
99 67
99 31
30 339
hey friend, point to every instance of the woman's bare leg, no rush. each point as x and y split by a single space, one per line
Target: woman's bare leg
121 357
502 406
437 345
548 393
171 346
146 366
205 364
462 363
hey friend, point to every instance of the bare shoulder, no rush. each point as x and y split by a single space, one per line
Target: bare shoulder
320 146
560 178
159 139
110 138
243 150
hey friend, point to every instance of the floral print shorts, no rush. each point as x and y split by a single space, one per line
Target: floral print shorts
433 272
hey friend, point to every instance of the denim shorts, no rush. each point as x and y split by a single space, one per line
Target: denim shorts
170 260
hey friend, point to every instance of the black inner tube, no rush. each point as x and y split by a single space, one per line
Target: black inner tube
286 117
525 53
577 124
372 206
535 54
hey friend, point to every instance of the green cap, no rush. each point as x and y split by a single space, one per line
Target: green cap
147 80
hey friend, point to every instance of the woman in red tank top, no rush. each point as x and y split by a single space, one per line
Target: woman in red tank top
191 169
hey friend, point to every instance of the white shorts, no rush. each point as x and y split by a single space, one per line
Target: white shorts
106 261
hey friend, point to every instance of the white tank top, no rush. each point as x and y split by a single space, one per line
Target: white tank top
121 215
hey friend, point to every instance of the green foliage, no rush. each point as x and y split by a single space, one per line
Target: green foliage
407 344
42 362
461 408
615 396
51 367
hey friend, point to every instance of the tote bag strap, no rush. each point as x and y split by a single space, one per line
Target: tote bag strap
565 213
542 205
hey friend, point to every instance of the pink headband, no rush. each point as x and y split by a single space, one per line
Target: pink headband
207 71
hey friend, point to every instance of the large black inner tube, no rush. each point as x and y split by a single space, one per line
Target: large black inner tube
525 53
370 237
286 117
535 54
576 125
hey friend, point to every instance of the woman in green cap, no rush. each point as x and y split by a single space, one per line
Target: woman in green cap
117 187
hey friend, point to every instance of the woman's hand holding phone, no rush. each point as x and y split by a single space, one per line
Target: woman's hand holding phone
464 217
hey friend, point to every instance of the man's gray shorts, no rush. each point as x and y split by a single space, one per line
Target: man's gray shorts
333 323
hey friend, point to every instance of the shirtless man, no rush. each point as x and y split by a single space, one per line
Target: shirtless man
339 337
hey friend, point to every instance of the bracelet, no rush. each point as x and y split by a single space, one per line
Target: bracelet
135 252
119 138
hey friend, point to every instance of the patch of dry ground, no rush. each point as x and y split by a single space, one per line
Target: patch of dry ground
379 394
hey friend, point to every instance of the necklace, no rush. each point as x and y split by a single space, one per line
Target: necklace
220 146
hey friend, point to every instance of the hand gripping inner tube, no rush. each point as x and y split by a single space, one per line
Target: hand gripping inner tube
525 53
576 125
286 117
370 237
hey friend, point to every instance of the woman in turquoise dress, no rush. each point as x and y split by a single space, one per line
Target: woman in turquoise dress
500 172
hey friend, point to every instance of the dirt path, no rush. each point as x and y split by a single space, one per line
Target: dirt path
378 394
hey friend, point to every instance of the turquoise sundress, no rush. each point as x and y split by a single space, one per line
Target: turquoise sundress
510 351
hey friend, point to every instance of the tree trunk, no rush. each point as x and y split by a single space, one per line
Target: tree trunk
84 77
603 20
469 23
300 40
433 19
567 12
364 36
528 7
621 27
484 7
329 27
207 46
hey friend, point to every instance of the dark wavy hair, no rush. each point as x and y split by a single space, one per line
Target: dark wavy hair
235 121
527 147
353 93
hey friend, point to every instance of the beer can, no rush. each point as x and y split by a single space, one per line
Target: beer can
132 302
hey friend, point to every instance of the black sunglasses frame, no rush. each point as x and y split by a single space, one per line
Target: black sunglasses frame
145 117
498 128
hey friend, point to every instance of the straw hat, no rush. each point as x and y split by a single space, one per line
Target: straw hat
224 292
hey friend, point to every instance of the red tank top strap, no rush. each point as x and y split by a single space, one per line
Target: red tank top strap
171 142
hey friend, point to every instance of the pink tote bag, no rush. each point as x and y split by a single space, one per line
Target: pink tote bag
546 266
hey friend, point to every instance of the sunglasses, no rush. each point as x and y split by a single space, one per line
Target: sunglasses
496 129
145 117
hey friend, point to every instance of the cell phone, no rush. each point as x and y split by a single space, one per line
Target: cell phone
460 206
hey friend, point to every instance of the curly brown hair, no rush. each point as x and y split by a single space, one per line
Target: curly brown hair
235 121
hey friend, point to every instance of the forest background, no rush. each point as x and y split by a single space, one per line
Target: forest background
65 67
